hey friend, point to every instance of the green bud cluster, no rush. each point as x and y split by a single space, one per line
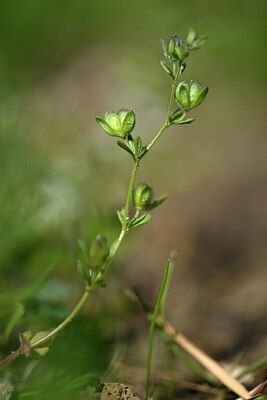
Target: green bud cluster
175 50
188 95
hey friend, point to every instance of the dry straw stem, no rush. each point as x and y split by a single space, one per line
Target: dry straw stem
258 389
211 365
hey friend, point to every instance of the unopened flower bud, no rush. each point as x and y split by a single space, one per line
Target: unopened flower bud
142 197
99 251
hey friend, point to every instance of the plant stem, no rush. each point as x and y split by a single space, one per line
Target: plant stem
51 334
167 123
152 327
117 243
66 321
88 289
153 141
174 84
11 357
129 195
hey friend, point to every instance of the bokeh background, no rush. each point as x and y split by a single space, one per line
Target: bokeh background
62 178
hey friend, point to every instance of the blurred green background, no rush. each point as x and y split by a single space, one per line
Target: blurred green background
62 63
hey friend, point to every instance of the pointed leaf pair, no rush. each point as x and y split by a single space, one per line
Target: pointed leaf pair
125 147
176 114
133 147
144 219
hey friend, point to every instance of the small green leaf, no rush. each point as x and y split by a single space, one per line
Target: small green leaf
179 52
195 90
133 221
190 37
186 121
25 336
99 251
114 122
164 48
38 336
144 219
183 67
104 125
128 122
167 69
121 214
84 248
157 202
201 40
83 271
42 351
200 98
131 143
182 94
125 146
138 145
16 316
142 152
176 114
172 47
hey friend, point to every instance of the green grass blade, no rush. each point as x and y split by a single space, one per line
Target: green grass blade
152 327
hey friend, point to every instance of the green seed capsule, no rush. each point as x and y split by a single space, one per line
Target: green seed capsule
120 124
190 95
142 197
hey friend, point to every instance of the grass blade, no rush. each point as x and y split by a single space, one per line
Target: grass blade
152 327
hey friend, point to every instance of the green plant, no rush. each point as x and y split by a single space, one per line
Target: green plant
97 258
